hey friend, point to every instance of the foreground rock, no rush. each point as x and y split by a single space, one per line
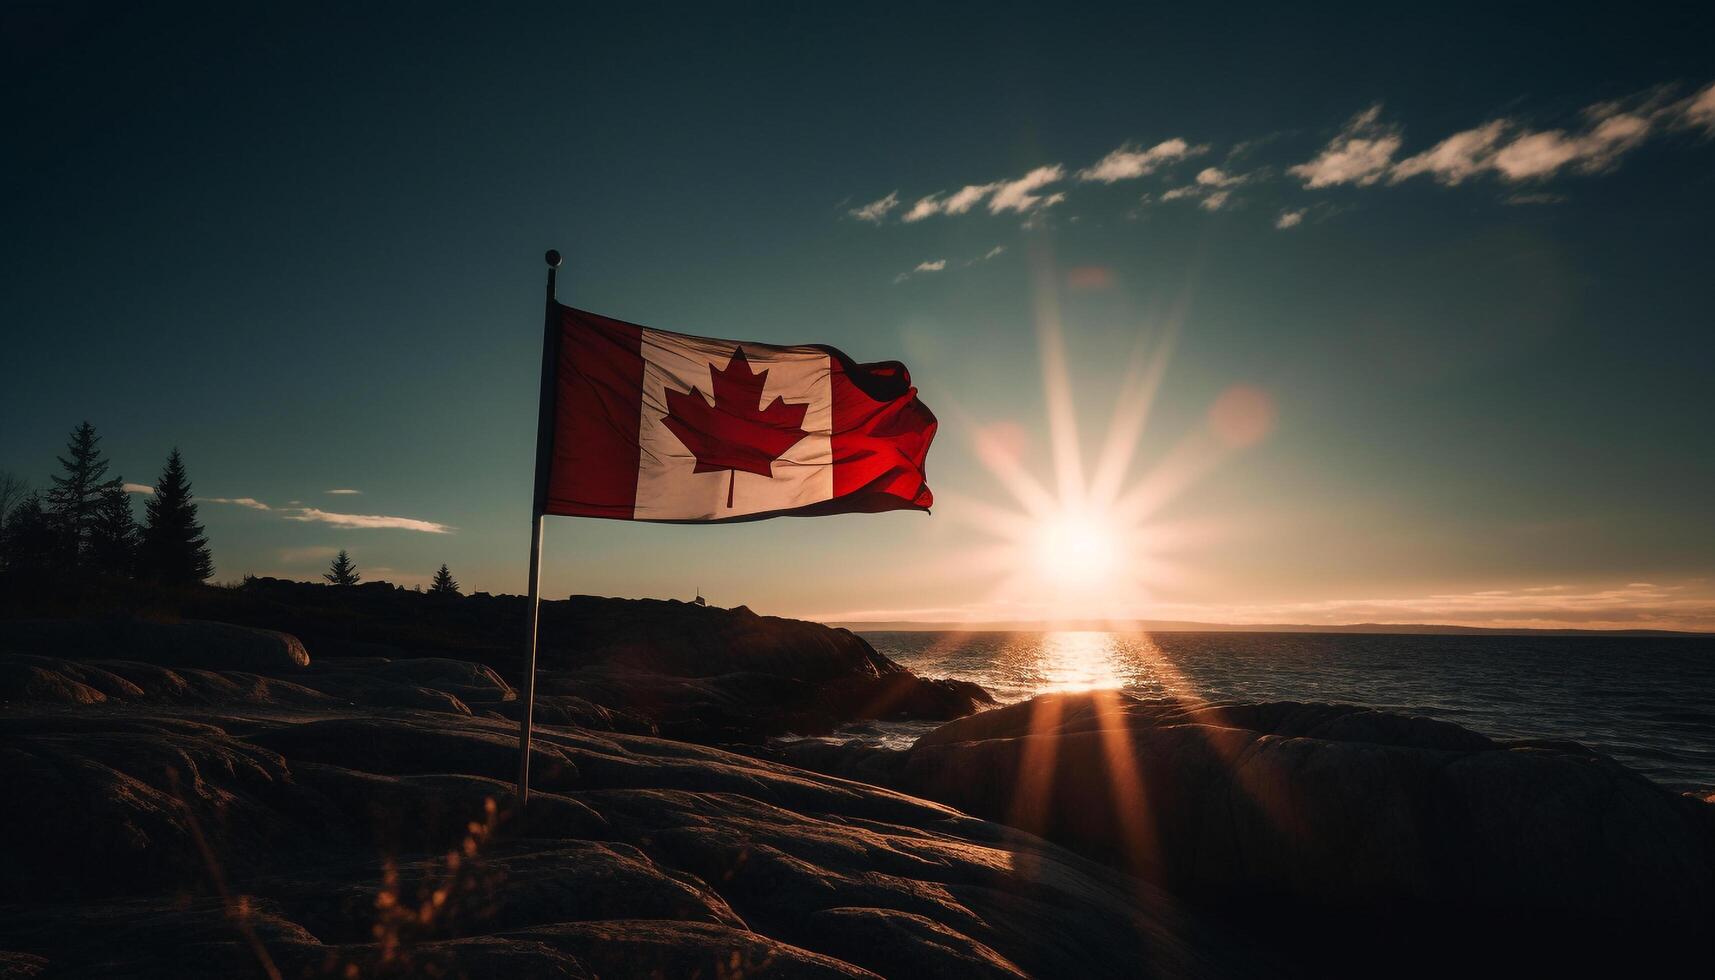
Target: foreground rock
358 820
1335 827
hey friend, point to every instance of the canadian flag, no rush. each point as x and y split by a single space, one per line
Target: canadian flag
650 425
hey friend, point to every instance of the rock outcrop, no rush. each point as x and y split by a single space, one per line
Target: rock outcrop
1333 827
647 666
359 820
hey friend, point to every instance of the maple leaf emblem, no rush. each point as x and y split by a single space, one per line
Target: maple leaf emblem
735 433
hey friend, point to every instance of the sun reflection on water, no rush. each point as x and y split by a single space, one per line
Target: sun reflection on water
1082 660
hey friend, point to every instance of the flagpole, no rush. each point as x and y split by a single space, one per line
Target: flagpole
545 417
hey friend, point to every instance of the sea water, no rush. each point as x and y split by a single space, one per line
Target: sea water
1647 701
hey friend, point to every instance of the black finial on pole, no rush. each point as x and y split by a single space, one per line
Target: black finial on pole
553 260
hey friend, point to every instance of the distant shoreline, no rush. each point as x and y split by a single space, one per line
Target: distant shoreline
1150 626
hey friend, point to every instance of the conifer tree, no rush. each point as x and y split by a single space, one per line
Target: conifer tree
32 543
113 538
174 550
12 493
444 584
343 571
75 497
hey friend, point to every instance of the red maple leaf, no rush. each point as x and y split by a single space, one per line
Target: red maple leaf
735 433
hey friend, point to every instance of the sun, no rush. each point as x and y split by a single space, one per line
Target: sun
1091 543
1077 549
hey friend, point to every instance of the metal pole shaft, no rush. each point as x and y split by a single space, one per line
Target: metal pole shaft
547 412
529 692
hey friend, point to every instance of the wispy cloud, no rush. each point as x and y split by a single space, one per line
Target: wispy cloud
938 265
1455 158
139 488
310 553
366 521
1289 219
1131 161
343 492
250 502
1360 154
1514 152
934 265
316 515
1020 196
1699 109
1211 189
875 211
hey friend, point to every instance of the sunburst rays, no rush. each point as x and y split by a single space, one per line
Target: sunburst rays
1088 545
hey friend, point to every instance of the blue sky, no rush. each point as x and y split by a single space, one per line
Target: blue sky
1457 259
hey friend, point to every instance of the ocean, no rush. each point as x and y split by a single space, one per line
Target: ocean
1647 701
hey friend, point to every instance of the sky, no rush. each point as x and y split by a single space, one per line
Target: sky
1357 315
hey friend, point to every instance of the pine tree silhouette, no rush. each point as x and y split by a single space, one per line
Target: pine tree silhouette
13 490
343 571
113 538
174 550
32 543
76 496
444 584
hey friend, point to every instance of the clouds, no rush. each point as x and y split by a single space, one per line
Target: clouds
1508 149
1366 152
1513 153
1699 110
142 488
1360 154
1211 189
318 516
343 493
1130 162
250 502
365 521
1455 158
873 212
938 265
1019 196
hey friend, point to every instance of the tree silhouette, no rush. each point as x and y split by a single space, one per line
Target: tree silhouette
174 550
76 496
343 571
13 490
444 584
31 543
113 537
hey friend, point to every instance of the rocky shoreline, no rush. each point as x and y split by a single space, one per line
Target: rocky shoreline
207 799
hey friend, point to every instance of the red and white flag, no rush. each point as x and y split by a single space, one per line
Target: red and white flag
658 426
